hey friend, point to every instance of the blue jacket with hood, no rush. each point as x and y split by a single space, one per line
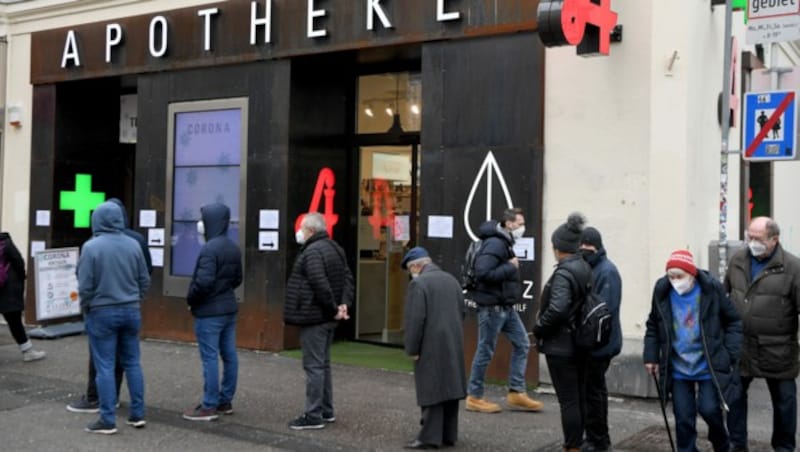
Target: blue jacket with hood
219 267
111 268
126 229
498 279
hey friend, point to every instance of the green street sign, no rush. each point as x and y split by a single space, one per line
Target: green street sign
82 201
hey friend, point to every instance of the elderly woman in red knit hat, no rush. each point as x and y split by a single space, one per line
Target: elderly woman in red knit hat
692 343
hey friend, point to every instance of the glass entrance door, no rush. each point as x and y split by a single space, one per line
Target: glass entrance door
387 228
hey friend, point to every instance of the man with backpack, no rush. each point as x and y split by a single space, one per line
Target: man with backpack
560 310
497 290
607 285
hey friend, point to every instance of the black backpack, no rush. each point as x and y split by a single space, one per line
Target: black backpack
3 264
468 279
593 328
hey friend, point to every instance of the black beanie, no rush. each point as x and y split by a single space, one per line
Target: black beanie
591 236
567 237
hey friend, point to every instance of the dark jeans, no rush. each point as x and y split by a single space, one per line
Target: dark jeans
315 341
597 403
784 414
439 424
689 398
14 320
569 380
91 386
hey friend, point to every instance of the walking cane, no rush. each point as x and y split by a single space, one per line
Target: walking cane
664 412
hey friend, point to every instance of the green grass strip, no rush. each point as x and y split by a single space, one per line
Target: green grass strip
364 355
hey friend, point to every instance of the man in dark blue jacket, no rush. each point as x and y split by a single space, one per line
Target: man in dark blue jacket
319 294
693 341
89 402
212 300
499 288
607 284
112 281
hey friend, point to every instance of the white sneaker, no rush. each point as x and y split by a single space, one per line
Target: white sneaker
33 355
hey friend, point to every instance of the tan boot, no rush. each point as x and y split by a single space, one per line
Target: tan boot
521 401
481 405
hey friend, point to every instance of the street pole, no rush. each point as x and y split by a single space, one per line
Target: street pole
726 127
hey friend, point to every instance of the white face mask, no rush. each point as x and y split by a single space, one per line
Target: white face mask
518 233
682 285
300 237
201 231
756 248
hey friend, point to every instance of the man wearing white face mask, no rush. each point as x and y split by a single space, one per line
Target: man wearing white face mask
763 281
498 289
319 294
692 343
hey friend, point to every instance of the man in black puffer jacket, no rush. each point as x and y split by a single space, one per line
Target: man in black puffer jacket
763 281
498 290
558 313
213 304
319 293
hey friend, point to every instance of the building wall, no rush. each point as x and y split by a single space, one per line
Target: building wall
635 146
20 21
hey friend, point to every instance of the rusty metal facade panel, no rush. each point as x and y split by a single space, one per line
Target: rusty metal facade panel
481 100
413 21
260 321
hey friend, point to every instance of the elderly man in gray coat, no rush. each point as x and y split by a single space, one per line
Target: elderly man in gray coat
434 313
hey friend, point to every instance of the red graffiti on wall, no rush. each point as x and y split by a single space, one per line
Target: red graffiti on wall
325 182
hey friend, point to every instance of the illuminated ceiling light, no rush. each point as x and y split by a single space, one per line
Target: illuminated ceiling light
368 111
389 110
415 109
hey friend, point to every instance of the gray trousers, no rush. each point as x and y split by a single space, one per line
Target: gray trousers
439 424
315 341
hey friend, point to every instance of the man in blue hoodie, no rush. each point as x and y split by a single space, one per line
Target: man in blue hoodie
607 284
89 402
112 281
212 300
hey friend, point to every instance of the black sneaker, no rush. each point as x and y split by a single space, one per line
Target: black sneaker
84 405
306 423
199 413
101 427
329 418
225 408
136 422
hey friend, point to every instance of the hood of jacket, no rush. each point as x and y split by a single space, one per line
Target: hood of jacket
594 258
216 218
492 228
107 217
125 222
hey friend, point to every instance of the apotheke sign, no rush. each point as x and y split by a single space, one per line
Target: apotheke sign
241 31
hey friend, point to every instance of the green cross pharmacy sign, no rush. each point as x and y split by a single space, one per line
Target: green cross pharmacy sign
82 201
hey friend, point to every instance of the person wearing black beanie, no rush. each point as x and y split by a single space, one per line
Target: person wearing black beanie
553 329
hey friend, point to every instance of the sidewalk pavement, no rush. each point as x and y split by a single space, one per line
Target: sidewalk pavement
375 409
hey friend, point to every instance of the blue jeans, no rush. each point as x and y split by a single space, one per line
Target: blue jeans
216 337
689 398
315 341
784 414
114 331
492 320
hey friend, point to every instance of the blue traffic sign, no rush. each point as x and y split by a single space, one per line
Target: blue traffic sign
770 125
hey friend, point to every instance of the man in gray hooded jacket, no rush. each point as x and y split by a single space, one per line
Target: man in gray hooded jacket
112 281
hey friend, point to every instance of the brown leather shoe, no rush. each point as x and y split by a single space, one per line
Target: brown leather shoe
521 401
482 406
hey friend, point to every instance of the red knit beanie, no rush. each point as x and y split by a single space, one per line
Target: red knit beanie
684 260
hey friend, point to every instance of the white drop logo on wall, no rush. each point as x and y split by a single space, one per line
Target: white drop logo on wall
488 171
